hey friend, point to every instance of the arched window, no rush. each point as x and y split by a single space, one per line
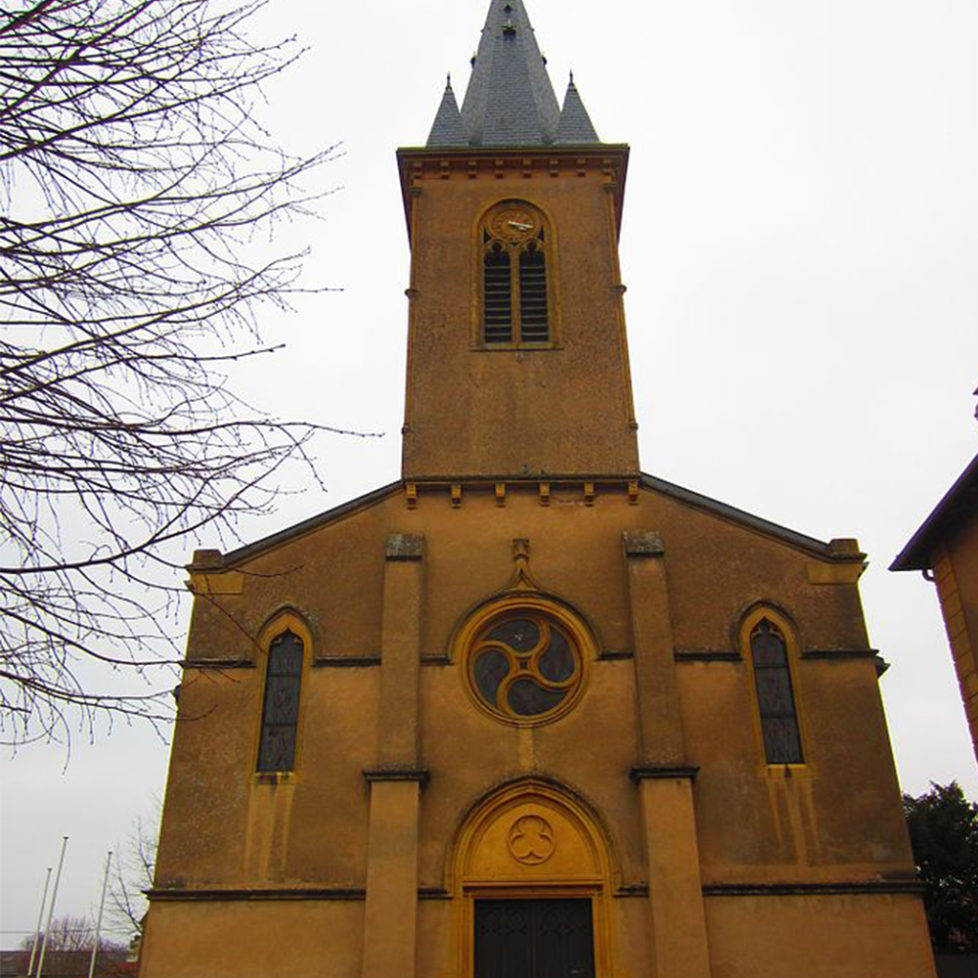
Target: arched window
515 294
775 696
280 709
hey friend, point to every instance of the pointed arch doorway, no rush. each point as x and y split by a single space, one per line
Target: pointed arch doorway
531 878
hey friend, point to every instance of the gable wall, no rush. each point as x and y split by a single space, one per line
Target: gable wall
223 828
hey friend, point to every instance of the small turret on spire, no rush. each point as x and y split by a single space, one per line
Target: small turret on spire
448 128
575 125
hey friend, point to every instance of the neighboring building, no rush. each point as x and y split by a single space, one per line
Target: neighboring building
945 549
526 712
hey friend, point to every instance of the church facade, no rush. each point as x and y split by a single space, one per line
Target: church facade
528 712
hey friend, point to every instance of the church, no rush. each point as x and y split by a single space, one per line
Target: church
529 712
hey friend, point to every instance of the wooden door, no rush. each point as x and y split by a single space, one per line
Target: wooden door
534 939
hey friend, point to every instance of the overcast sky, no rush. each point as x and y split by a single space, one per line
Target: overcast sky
800 244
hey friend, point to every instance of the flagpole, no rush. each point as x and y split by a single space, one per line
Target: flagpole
40 920
54 896
101 908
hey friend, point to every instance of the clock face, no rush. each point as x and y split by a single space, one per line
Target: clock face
515 224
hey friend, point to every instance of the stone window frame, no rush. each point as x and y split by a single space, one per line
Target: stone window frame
789 634
540 237
468 641
283 622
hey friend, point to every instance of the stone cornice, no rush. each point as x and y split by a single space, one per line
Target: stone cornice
833 888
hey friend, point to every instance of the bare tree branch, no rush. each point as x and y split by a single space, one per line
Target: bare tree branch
132 874
69 950
140 195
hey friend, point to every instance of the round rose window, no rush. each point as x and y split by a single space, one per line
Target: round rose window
525 667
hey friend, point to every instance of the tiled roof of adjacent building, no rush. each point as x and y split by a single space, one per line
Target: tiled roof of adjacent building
960 503
510 100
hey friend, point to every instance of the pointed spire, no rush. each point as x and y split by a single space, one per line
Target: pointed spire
510 101
575 124
448 128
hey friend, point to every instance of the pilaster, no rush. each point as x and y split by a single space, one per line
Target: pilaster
390 914
660 721
675 886
400 652
663 779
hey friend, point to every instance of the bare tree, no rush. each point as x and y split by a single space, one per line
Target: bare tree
68 949
132 874
139 192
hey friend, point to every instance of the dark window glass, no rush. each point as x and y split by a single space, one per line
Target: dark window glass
529 699
775 698
781 743
520 634
768 646
280 711
533 296
557 662
490 669
497 296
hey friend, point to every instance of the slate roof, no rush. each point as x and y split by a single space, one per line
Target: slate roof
575 124
510 101
448 128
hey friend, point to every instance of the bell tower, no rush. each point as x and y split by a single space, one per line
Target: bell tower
517 356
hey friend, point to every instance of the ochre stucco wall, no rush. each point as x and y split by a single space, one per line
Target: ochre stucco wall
955 563
835 821
565 410
815 937
253 940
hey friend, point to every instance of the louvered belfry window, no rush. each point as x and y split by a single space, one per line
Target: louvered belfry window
515 296
534 327
280 711
775 697
498 297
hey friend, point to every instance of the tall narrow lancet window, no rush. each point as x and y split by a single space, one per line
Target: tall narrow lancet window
775 696
280 711
515 291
